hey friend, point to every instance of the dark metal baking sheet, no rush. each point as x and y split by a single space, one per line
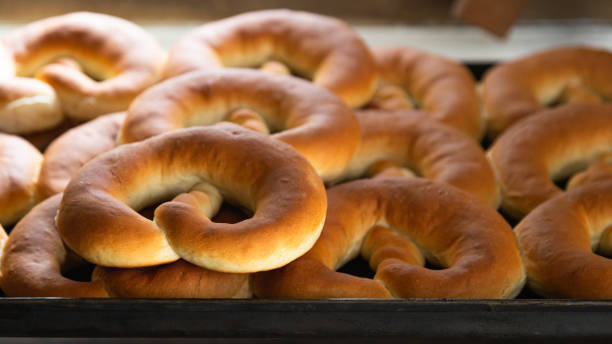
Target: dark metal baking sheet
421 320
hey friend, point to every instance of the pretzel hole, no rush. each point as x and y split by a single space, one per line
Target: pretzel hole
62 63
389 168
562 175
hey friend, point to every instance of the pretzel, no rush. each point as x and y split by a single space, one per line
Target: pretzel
320 48
122 56
179 279
518 89
21 166
298 113
550 146
395 222
97 218
69 152
34 258
444 89
410 139
558 240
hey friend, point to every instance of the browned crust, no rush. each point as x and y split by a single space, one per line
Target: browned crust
552 144
126 56
557 241
519 88
453 229
267 176
73 149
435 151
599 171
444 88
307 117
21 166
34 258
318 47
179 279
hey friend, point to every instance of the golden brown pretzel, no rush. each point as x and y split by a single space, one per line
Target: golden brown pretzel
317 47
438 152
97 220
558 240
473 244
444 89
34 258
179 279
20 168
124 57
307 117
520 88
73 149
549 146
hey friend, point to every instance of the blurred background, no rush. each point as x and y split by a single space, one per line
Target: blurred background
441 26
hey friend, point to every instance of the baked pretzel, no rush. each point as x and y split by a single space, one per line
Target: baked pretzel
119 58
395 223
34 258
320 48
520 88
98 221
307 117
558 240
69 152
409 139
179 279
443 88
553 145
21 166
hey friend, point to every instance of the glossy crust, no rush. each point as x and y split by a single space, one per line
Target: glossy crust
549 146
69 152
97 220
320 48
443 88
34 258
558 240
452 229
307 117
122 55
20 168
519 88
435 151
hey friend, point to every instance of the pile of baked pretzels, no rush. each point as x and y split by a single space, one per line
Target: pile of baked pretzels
266 150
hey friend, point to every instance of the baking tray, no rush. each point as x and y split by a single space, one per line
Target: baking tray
525 319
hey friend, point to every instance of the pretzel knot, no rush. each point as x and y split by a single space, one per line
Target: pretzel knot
559 239
517 89
307 117
97 217
114 60
320 48
397 222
